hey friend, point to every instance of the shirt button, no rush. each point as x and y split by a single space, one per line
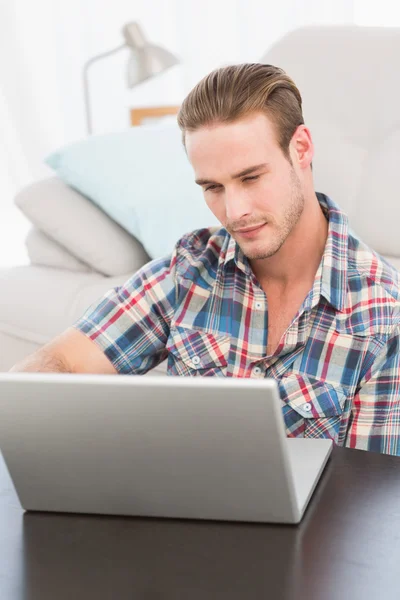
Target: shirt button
257 371
307 407
258 305
196 360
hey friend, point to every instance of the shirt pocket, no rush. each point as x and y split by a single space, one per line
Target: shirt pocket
193 352
312 408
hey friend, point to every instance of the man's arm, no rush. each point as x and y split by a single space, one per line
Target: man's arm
375 420
70 352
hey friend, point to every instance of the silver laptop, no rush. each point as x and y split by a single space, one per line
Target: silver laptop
182 447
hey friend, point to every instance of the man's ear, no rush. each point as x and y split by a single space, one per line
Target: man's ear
302 146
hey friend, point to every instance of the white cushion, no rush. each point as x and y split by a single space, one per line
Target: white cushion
56 299
351 93
81 227
44 251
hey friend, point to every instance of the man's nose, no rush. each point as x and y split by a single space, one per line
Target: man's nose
236 206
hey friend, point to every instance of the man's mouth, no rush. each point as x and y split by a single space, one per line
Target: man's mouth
250 231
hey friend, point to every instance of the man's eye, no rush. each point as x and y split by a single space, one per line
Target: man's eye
212 188
217 188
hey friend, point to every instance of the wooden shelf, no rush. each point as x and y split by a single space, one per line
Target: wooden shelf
139 114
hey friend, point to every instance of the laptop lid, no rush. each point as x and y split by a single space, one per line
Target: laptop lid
184 447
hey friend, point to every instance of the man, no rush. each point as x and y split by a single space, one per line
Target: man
282 290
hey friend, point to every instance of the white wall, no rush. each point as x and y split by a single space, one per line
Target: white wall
385 13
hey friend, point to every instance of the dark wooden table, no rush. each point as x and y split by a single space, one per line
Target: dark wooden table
346 547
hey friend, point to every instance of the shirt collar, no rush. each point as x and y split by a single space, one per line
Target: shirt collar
331 277
335 257
234 253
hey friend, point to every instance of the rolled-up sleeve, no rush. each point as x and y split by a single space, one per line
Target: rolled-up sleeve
375 420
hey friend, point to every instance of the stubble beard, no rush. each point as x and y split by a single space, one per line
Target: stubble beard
290 219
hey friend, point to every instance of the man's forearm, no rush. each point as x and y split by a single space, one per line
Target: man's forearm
42 361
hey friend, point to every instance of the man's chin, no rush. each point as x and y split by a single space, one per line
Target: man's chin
257 253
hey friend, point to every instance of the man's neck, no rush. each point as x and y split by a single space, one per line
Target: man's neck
297 261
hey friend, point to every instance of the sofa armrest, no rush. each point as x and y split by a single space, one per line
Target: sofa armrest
44 251
80 227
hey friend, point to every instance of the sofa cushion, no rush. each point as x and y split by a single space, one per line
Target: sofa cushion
80 227
142 178
56 299
38 303
44 251
13 349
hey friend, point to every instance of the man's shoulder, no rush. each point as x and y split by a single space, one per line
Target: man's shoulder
366 268
200 251
374 291
373 269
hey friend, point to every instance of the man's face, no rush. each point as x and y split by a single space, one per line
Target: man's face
248 183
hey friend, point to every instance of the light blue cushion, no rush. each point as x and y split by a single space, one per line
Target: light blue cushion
142 179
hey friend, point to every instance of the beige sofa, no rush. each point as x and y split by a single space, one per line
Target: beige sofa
351 97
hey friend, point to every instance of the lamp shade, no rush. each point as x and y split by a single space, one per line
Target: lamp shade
146 60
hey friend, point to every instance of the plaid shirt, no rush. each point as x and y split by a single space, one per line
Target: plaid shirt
337 364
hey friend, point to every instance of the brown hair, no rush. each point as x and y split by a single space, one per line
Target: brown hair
230 93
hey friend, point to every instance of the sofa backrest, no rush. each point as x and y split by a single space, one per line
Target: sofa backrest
350 85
